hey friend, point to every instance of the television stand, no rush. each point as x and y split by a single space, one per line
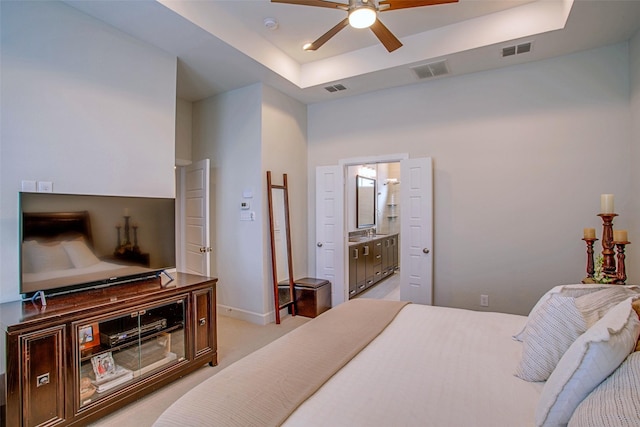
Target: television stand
85 354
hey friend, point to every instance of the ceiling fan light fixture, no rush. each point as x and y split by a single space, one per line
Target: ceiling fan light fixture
362 16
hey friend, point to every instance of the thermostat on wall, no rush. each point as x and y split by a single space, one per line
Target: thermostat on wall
245 205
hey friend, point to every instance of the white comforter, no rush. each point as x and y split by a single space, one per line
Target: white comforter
431 366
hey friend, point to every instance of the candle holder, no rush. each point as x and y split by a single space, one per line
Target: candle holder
127 240
613 264
125 245
621 273
590 265
136 248
608 259
118 229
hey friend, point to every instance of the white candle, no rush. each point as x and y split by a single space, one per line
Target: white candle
589 233
126 211
619 235
606 203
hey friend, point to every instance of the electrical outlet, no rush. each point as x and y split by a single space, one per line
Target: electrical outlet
484 300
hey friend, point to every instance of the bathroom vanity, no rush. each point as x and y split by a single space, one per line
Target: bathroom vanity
372 258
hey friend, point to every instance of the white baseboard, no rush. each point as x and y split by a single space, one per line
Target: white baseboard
248 316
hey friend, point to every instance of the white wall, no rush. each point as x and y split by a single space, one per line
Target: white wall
246 132
184 126
227 130
521 155
284 150
84 106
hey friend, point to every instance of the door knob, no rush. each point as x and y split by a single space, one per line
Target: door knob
319 244
425 250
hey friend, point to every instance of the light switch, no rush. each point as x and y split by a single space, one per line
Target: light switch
45 186
28 185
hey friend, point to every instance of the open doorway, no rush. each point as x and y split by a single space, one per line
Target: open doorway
372 209
416 225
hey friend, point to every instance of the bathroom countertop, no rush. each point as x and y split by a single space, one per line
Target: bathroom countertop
365 239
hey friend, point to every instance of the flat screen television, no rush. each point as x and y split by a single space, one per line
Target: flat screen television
71 242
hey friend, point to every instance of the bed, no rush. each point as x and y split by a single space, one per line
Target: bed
382 363
58 253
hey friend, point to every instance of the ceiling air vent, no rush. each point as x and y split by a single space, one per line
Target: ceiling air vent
516 50
335 88
433 69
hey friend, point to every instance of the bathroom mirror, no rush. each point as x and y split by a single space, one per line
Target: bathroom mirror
365 202
281 265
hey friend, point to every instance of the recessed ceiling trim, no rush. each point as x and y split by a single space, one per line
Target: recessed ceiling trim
217 22
524 21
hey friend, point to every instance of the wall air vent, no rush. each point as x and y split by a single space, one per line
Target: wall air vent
434 69
516 49
335 88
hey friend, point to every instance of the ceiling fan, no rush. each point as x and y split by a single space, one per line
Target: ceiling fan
363 14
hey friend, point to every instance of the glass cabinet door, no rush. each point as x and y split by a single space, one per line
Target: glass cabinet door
117 350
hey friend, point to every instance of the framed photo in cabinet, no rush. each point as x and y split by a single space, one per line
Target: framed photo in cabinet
89 336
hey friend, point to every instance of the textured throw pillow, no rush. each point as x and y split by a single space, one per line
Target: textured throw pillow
574 291
48 257
590 359
636 307
615 402
79 253
550 332
595 305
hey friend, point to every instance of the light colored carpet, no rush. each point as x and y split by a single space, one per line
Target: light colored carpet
236 339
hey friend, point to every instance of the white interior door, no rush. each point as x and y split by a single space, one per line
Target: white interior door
416 239
194 198
330 229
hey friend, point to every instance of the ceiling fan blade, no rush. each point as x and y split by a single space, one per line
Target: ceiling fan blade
386 5
317 3
326 36
385 36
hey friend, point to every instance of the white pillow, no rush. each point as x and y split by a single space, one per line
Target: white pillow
80 254
574 291
47 257
615 402
550 332
590 359
596 304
